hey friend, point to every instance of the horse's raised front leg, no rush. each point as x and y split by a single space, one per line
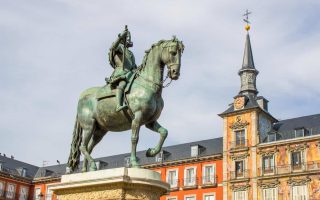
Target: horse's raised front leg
136 123
155 126
95 139
87 132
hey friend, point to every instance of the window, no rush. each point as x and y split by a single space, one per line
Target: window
190 197
24 172
239 168
209 197
37 194
194 151
208 173
1 188
127 162
240 138
172 178
299 192
159 157
190 176
240 195
299 132
270 194
11 189
268 164
49 194
23 193
296 158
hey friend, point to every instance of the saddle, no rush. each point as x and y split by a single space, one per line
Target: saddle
108 91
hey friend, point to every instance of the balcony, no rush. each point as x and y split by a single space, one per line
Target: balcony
243 174
285 169
190 183
209 181
174 184
236 145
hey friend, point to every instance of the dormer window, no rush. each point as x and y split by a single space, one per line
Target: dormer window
127 162
24 172
159 157
194 150
299 132
1 166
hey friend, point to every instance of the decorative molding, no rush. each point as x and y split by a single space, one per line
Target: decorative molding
239 156
297 147
270 184
268 152
245 187
239 124
295 182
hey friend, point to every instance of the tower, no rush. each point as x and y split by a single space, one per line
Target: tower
245 121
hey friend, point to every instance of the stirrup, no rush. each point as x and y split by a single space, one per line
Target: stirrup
119 108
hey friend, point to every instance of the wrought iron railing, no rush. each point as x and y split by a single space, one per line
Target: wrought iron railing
209 180
284 169
239 144
190 182
239 174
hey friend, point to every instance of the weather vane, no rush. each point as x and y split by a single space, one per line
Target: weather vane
246 15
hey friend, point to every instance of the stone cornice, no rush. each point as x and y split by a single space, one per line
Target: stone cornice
269 184
290 141
16 178
295 182
242 156
268 152
297 147
245 187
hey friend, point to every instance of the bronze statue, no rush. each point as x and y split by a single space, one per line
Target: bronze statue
123 62
98 108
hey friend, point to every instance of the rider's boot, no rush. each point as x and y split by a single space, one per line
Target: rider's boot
119 96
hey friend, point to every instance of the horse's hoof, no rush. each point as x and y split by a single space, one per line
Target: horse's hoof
84 170
150 152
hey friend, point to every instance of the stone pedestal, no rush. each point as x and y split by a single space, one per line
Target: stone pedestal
118 183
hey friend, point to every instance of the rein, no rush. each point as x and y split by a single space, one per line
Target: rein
157 84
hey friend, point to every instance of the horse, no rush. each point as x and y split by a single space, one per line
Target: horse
95 117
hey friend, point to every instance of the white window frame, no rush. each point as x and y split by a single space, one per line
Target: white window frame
190 196
264 190
245 195
48 192
172 198
209 194
13 192
306 192
194 150
204 176
36 196
176 178
194 179
20 193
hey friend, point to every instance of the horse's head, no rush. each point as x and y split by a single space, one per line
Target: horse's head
171 57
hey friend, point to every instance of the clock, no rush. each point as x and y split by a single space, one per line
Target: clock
239 103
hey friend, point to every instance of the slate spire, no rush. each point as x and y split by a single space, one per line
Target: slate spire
248 72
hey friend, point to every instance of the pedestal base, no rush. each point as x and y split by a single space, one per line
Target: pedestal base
118 183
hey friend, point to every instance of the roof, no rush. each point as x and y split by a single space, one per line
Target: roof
247 56
14 167
171 153
286 129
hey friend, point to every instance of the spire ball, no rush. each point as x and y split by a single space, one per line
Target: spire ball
247 27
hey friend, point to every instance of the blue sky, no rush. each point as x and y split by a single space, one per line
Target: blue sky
52 50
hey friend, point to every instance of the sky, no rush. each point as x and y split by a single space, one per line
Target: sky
50 51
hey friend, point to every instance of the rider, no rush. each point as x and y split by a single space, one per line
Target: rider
123 62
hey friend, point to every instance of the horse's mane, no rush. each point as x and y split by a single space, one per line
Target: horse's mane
145 58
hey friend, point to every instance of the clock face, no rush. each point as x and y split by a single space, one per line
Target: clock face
239 103
264 125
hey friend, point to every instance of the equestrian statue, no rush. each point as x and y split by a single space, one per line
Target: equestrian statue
130 99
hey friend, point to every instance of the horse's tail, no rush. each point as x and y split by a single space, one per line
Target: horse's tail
74 157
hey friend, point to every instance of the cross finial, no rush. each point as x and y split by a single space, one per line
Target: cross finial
246 19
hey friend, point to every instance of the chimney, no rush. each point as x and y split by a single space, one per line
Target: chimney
263 103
